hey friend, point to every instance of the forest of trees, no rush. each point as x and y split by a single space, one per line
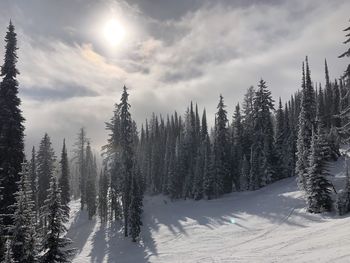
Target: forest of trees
177 156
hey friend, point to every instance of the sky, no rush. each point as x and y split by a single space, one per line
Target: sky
169 53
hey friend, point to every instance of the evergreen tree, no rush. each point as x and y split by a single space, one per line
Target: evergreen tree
135 209
222 177
237 148
8 255
33 176
318 187
79 157
64 180
343 198
346 53
90 182
306 124
11 126
128 156
264 170
45 167
24 237
103 195
280 138
55 244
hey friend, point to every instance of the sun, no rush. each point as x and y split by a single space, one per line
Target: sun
114 32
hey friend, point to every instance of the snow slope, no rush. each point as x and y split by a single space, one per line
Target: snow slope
268 225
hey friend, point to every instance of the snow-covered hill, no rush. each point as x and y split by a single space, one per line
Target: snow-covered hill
268 225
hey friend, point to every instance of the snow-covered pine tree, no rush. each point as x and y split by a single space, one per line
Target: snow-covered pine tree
8 255
343 198
90 190
247 121
11 127
306 124
280 138
64 180
103 195
264 156
79 157
221 168
135 208
33 176
201 166
56 246
127 154
237 149
45 168
318 187
24 237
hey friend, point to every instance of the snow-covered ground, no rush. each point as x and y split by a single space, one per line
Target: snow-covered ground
268 225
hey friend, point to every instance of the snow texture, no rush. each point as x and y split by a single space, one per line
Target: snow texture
267 225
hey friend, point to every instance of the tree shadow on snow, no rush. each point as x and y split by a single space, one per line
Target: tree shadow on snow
80 230
275 203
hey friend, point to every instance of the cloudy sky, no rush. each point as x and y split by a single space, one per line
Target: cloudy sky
166 52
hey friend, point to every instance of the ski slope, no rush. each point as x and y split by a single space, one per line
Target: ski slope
268 225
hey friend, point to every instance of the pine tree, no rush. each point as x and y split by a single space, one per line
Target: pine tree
103 195
280 138
11 126
64 180
127 156
306 124
317 186
343 198
79 152
55 244
90 182
135 209
45 167
8 255
33 176
24 237
263 166
346 53
237 148
222 177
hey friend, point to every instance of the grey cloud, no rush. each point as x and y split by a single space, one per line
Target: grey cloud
60 92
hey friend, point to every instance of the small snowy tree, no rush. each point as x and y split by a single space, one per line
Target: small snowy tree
55 244
318 191
343 199
64 180
24 237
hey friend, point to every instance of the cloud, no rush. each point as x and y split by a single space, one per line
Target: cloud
69 79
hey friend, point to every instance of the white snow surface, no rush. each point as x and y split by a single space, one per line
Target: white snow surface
267 225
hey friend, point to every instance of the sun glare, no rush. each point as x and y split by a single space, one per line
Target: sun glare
114 32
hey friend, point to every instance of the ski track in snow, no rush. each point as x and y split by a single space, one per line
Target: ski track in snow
270 225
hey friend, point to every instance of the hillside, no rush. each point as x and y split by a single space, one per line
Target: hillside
268 225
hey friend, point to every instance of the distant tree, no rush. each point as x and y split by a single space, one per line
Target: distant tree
45 167
64 180
221 168
90 182
11 127
79 157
